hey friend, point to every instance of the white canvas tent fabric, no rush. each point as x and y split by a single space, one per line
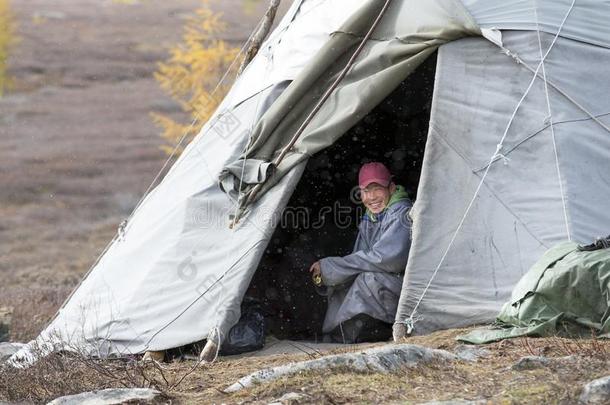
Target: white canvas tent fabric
588 19
519 212
146 292
178 274
302 31
178 233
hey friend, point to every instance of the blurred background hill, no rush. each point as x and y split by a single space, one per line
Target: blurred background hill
78 145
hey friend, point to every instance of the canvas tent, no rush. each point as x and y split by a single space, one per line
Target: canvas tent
516 159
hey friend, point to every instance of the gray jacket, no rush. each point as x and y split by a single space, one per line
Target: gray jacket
369 280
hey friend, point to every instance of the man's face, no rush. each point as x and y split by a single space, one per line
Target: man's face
375 197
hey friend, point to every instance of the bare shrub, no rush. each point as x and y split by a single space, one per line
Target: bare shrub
562 346
33 307
51 377
68 373
7 38
591 347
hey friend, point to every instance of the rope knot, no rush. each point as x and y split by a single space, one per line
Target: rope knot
512 55
411 321
505 159
121 230
547 120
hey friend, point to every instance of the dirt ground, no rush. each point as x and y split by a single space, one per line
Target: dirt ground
489 379
78 149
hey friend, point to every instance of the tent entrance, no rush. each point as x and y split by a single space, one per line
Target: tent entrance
322 216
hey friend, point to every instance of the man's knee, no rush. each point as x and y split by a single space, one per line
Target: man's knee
365 278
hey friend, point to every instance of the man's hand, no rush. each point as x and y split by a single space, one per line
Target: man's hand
316 273
315 269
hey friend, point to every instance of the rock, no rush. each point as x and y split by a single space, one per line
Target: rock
290 398
157 356
209 352
457 402
383 359
531 363
471 353
108 397
535 362
8 349
6 316
596 392
399 331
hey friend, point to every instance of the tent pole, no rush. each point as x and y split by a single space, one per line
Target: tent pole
260 35
254 192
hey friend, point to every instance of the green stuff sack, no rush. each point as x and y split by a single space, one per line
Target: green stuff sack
566 293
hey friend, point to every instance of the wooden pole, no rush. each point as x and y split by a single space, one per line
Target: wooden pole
261 34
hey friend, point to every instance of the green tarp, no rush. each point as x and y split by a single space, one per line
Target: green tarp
566 293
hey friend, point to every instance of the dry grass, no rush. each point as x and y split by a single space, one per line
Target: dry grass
54 376
573 363
488 378
70 373
33 308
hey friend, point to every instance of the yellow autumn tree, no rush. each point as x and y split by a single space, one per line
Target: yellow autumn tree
7 29
192 72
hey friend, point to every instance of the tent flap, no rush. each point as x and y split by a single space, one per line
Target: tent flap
409 32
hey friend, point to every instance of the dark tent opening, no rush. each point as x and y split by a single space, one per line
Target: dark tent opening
322 216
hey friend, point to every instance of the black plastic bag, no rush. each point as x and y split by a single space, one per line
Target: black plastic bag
249 333
600 243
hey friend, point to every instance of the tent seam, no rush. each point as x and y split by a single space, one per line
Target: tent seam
202 294
550 118
537 132
520 61
496 197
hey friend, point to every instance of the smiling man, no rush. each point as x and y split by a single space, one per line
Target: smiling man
363 287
